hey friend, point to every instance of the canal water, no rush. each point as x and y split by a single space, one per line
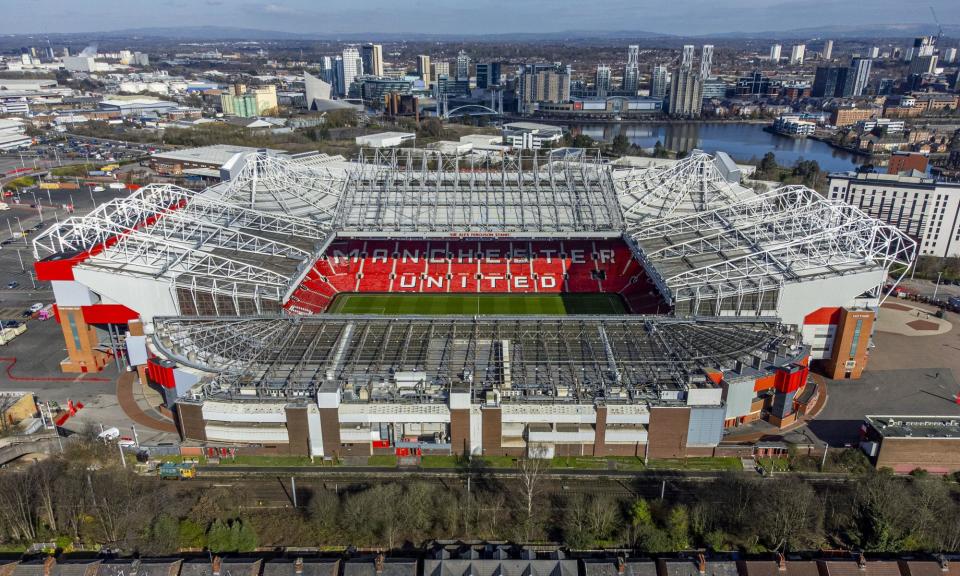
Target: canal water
741 141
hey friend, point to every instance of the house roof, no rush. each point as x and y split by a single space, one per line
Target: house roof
311 567
608 567
391 567
854 568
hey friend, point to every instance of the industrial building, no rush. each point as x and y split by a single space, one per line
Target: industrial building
218 298
905 443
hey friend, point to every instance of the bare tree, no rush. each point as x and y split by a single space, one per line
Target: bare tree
531 472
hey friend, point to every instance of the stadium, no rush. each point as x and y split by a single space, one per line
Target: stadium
415 303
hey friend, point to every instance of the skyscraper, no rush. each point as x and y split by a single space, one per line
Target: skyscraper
922 64
488 74
832 82
873 52
706 61
659 79
373 59
775 53
827 49
602 81
423 68
352 67
440 69
796 53
686 91
463 66
631 73
686 63
861 75
543 83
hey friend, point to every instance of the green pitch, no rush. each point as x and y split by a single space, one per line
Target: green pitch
477 304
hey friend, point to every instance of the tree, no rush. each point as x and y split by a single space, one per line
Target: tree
431 127
244 538
768 165
163 536
190 535
218 537
531 470
659 151
621 144
678 527
640 513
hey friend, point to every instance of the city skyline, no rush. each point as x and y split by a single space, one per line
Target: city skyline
695 17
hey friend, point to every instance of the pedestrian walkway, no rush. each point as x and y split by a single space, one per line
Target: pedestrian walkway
128 402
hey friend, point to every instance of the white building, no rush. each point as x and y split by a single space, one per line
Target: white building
659 81
775 53
530 135
13 134
352 66
796 53
316 89
385 139
706 60
924 208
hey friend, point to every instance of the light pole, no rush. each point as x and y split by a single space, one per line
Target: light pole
937 287
19 257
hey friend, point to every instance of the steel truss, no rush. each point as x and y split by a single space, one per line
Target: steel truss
692 184
529 359
426 192
278 184
200 244
785 235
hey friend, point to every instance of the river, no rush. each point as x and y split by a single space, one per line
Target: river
741 141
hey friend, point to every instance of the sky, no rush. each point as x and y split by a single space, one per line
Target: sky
681 17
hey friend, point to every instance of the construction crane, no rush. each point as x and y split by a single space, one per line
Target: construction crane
939 27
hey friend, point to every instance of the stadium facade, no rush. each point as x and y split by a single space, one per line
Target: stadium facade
219 298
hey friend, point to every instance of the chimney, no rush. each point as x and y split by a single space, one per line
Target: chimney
48 564
215 566
861 562
621 565
378 563
781 562
701 563
298 566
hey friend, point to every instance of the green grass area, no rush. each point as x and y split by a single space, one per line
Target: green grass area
477 304
579 463
627 462
695 464
382 460
268 461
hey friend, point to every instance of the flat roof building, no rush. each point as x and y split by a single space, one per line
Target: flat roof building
385 139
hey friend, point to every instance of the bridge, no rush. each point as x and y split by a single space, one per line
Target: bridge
14 447
473 109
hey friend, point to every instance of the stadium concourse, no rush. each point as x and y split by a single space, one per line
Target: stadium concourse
226 300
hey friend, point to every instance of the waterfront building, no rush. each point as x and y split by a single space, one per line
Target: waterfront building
602 81
352 66
423 68
706 61
861 75
631 72
372 59
659 82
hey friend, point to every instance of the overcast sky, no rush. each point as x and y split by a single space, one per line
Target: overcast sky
468 17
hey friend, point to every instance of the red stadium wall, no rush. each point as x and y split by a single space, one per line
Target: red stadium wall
466 266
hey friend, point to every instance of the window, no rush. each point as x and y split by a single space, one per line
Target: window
856 338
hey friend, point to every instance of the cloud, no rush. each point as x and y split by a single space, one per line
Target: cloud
274 8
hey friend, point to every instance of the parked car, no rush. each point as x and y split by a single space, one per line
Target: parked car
12 285
36 307
11 324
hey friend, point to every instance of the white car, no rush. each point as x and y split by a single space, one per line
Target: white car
36 307
99 189
109 434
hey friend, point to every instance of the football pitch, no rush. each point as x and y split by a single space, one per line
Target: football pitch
477 304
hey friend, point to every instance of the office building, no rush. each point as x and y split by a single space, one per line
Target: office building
796 54
713 88
686 93
352 66
423 68
602 81
833 82
631 72
706 61
861 75
775 53
315 89
439 69
531 136
686 61
827 50
756 84
372 59
463 65
659 81
543 83
488 74
873 52
922 207
922 64
949 55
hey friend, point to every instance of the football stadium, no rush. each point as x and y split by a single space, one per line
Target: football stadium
409 302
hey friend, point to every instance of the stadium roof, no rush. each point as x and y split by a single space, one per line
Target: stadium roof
533 358
425 193
214 155
761 243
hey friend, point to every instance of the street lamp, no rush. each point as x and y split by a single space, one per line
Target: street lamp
937 287
22 234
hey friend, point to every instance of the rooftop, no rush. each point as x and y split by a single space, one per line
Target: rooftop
217 154
916 426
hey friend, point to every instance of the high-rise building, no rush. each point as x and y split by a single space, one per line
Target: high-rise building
602 81
373 59
659 80
775 53
351 68
949 55
922 64
463 65
631 72
440 69
861 75
832 82
488 74
686 63
543 83
423 68
796 53
686 90
827 49
706 61
873 52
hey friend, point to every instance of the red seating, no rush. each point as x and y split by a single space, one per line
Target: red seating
471 266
